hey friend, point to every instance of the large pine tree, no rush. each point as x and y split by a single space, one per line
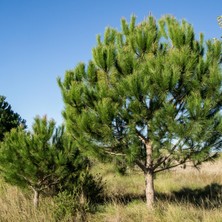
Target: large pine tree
151 94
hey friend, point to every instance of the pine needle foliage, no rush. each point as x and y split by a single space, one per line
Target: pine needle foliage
151 94
8 118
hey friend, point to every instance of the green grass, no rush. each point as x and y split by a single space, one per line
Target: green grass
181 195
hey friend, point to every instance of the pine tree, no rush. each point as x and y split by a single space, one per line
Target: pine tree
152 94
44 160
8 118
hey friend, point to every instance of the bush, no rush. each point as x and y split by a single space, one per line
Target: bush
75 203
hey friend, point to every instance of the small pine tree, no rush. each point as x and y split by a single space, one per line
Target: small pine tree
44 160
151 94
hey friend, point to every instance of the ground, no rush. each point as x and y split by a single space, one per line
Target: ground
181 195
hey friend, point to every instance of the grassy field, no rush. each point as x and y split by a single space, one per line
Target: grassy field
181 195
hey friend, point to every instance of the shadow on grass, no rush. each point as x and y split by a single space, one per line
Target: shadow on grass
124 199
207 197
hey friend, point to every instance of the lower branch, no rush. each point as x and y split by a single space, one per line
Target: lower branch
141 165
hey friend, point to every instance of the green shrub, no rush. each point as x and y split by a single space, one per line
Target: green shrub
75 203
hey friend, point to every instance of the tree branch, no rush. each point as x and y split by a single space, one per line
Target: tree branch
172 166
115 154
141 166
175 165
163 159
27 180
141 137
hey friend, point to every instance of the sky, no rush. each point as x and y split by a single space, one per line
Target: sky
41 39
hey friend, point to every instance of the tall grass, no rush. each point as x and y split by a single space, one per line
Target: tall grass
181 195
16 205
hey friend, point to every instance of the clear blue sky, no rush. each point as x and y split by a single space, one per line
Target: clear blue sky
41 39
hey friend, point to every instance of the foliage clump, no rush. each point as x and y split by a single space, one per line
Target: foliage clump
8 118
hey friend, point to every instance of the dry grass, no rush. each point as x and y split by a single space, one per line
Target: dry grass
17 206
164 212
176 179
182 195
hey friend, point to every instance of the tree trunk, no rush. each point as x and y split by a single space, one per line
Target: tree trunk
36 199
149 189
149 176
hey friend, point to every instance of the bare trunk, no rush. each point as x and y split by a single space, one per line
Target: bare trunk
149 190
149 176
36 199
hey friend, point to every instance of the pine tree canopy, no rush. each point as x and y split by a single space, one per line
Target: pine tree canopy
8 118
151 94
